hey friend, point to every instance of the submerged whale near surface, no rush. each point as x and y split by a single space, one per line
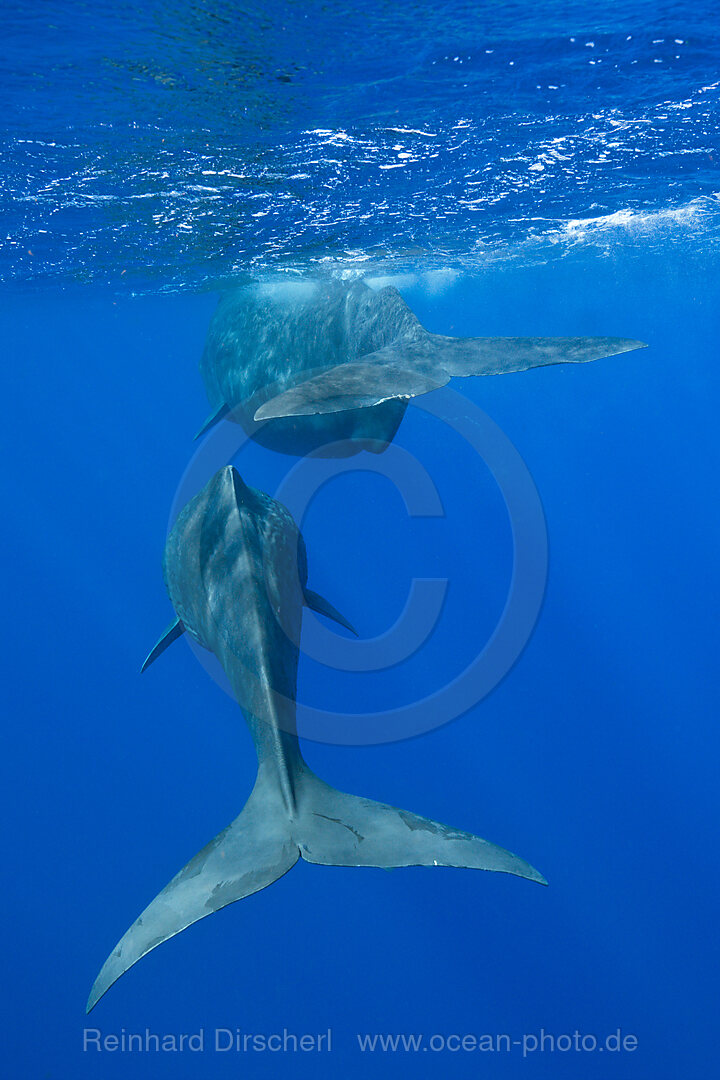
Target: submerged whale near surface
305 364
235 569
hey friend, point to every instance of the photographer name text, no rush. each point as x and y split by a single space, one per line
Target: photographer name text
218 1040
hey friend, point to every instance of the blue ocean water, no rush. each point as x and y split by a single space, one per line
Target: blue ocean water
526 170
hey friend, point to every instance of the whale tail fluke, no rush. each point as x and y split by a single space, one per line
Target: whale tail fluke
410 368
328 827
337 829
465 357
252 852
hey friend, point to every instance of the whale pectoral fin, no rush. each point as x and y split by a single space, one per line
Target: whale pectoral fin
343 830
324 607
394 372
173 632
214 418
251 853
498 355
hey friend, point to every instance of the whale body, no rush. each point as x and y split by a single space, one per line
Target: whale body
235 568
329 365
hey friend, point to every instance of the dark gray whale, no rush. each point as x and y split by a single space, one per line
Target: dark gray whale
304 364
235 570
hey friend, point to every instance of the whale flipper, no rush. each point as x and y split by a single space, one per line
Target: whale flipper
324 607
252 852
345 830
397 371
408 369
172 633
214 418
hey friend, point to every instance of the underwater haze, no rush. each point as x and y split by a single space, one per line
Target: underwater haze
520 169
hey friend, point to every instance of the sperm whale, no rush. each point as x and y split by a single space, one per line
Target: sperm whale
235 568
330 365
